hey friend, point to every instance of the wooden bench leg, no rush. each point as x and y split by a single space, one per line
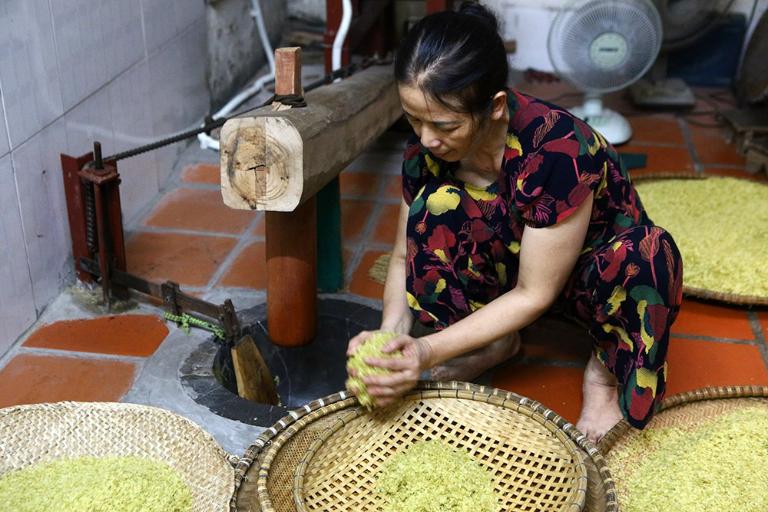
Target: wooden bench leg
292 274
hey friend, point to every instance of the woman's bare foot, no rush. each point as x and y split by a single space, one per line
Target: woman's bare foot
600 411
470 366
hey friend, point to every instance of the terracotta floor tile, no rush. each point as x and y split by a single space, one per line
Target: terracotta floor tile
394 187
656 129
558 388
249 269
361 283
127 335
661 159
200 210
713 148
708 98
762 317
386 227
556 339
187 259
202 173
354 216
694 364
31 379
359 184
700 319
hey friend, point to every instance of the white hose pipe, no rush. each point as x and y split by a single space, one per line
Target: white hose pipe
208 142
341 35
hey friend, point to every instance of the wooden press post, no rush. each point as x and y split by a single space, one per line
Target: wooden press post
291 244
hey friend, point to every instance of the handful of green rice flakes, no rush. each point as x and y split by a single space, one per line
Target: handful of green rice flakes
95 484
717 466
432 476
371 348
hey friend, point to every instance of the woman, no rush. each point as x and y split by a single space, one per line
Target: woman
510 206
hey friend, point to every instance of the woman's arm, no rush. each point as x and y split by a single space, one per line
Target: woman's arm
547 258
396 315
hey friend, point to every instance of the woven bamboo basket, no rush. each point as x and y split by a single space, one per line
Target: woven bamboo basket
686 410
326 455
32 434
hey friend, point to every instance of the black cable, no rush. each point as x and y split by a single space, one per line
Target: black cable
212 124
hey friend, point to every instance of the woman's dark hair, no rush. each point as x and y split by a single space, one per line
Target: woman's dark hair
456 58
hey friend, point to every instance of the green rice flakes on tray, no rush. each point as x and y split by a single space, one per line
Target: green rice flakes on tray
432 476
719 465
95 484
720 225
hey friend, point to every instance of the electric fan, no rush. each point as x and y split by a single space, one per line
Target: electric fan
683 23
602 46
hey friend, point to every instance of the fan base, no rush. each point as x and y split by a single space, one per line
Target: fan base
610 124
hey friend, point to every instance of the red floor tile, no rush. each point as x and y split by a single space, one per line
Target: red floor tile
362 283
661 159
557 388
394 187
762 317
249 269
187 259
694 364
32 379
656 129
359 184
709 98
200 210
202 173
127 335
713 148
386 227
700 319
354 216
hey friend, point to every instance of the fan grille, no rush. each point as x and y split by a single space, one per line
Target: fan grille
604 45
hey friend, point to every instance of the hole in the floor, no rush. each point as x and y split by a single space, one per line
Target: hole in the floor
302 374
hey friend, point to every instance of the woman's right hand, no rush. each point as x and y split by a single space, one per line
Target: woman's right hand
357 341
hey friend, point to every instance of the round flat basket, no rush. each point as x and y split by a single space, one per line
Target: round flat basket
684 426
720 225
328 455
32 434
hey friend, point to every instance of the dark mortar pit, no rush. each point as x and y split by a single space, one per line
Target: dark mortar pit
303 373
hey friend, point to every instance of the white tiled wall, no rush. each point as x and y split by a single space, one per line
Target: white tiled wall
167 67
17 307
37 164
4 146
123 72
28 67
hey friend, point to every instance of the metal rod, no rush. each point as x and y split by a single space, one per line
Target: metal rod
98 162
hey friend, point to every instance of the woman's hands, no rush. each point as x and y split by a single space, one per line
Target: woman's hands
404 370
